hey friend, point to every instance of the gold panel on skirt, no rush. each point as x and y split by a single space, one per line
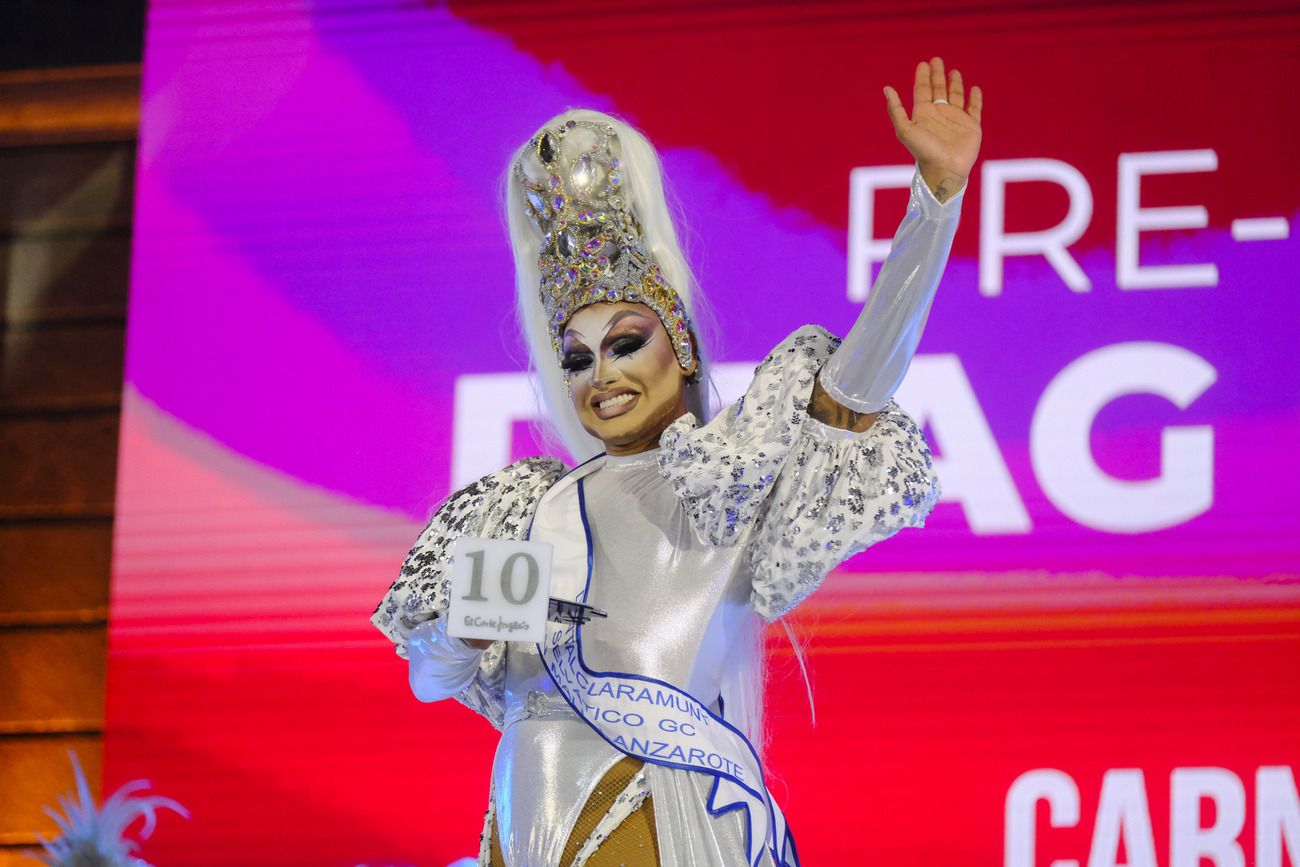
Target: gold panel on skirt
631 844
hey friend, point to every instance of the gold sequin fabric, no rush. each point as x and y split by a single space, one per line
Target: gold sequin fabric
616 827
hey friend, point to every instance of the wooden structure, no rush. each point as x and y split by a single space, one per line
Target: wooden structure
67 160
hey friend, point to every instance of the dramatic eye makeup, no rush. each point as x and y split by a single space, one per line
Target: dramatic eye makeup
635 332
620 343
626 343
575 358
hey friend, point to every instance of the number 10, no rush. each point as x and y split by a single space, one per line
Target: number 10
507 578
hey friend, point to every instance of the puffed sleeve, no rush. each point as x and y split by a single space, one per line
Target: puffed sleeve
801 496
497 506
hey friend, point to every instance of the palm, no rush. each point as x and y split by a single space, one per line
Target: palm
943 136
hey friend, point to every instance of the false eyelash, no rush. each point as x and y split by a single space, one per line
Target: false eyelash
575 363
622 347
625 346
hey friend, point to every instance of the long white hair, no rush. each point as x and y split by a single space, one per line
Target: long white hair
644 185
647 195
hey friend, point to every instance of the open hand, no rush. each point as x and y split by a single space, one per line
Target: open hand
943 132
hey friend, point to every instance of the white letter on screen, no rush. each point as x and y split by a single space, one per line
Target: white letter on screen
996 244
1122 811
865 250
936 392
1277 816
487 405
1062 797
1188 841
1132 219
1062 455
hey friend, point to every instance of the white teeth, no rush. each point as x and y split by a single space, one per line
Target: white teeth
616 401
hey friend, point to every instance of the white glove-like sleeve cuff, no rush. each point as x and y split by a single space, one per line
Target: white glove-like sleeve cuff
440 666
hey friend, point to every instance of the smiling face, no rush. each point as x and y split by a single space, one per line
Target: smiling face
626 384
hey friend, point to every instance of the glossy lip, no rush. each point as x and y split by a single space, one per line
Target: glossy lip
613 411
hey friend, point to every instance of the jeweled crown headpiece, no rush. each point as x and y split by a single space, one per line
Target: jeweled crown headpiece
591 241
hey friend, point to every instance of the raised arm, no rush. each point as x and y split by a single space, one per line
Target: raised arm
943 134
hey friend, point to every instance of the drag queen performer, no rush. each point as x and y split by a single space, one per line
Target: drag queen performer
635 739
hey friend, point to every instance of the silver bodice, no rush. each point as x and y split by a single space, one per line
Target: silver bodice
676 607
728 521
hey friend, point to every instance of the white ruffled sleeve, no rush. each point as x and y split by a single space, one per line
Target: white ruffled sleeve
497 506
800 495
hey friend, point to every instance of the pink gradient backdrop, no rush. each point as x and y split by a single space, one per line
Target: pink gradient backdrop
319 255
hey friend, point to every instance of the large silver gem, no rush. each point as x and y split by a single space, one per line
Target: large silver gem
538 201
586 172
564 243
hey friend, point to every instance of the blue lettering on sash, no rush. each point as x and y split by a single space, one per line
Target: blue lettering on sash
666 707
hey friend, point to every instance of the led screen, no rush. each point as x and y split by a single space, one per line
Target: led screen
1090 652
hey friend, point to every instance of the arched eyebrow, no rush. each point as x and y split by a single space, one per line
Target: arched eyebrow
613 320
620 316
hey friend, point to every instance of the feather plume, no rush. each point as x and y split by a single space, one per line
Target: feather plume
96 836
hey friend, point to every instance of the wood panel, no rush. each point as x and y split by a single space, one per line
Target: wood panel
58 277
67 157
36 770
52 679
61 367
66 189
54 571
58 465
88 103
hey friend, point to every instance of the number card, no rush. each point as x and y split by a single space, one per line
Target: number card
500 589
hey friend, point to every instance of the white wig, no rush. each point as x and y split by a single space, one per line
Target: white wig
647 196
644 185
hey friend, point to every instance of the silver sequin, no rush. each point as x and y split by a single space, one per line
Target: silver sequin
791 497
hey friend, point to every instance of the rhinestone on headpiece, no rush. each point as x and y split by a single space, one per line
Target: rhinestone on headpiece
591 241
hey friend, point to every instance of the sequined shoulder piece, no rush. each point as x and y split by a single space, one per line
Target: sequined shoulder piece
838 493
497 506
802 495
723 471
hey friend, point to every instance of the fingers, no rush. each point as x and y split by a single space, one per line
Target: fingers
921 88
894 105
976 103
931 85
956 89
938 87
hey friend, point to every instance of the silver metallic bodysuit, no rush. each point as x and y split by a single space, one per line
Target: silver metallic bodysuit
677 608
737 519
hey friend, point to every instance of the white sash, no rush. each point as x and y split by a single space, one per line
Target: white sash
641 716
